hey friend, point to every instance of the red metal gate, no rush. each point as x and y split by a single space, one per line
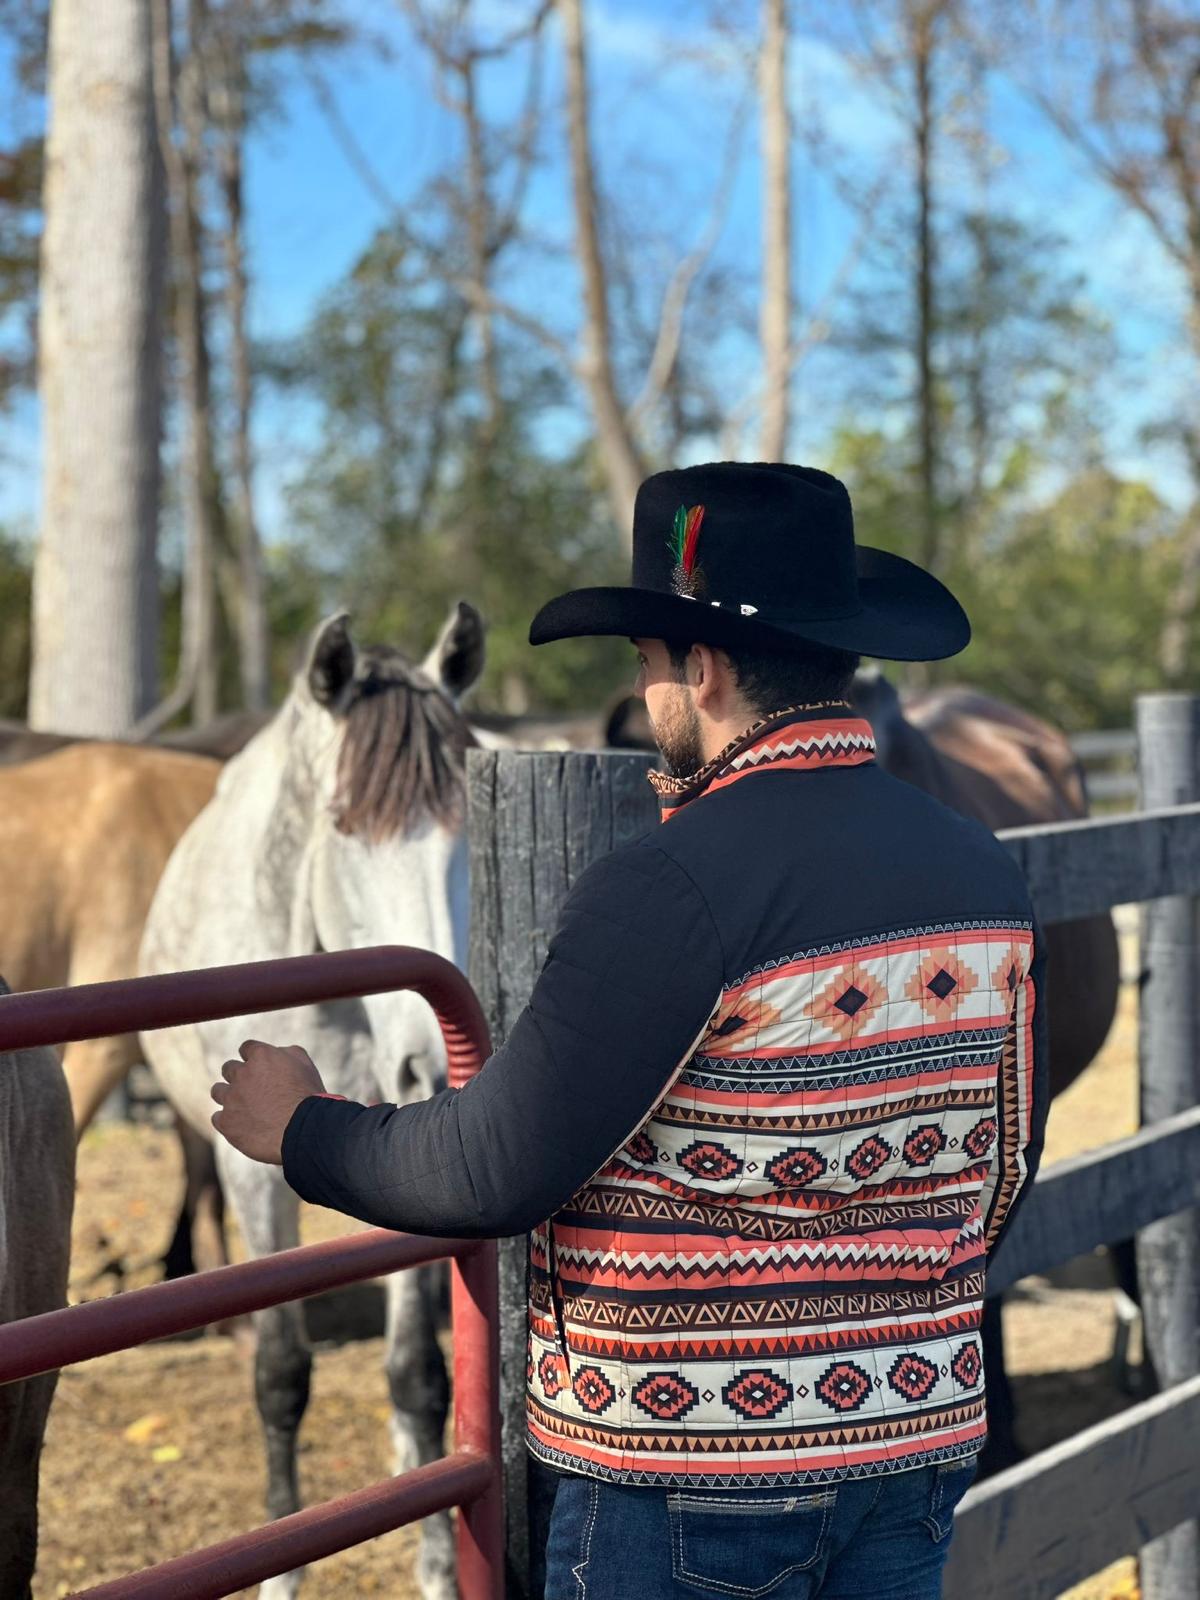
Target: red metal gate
470 1477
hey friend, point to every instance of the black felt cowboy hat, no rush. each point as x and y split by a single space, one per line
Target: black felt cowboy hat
761 556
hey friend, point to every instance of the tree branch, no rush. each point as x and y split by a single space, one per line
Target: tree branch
818 326
353 151
619 454
674 306
483 300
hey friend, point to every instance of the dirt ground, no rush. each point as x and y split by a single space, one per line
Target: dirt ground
154 1451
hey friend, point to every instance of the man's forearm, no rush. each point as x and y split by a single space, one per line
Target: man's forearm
392 1166
631 980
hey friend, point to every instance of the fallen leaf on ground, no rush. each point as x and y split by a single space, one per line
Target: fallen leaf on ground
141 1431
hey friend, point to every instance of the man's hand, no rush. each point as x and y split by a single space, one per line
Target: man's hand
258 1095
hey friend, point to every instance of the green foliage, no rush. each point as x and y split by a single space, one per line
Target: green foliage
20 196
1064 568
1018 356
23 31
1067 594
1069 607
15 588
408 502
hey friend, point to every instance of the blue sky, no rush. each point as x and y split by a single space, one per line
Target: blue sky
663 91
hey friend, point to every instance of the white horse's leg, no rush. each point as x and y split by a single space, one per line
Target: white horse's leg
267 1212
420 1393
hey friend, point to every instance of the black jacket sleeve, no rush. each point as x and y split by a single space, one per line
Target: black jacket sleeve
1018 1158
632 976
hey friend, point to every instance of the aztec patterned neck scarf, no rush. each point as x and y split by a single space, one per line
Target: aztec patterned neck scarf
795 740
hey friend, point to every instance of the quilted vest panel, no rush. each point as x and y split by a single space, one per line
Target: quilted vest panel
779 1278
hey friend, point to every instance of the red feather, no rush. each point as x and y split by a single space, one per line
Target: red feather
691 538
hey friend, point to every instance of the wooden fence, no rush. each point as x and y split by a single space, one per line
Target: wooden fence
538 819
1109 758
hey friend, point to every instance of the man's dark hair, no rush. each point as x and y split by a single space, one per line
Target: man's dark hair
773 680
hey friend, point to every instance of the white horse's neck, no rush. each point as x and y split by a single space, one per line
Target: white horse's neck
263 814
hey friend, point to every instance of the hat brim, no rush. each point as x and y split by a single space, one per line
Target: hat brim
906 614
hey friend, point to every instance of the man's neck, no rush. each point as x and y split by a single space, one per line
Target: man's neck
718 736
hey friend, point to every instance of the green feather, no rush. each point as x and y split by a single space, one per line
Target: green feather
680 534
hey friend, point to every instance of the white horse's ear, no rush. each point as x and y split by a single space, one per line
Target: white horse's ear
456 660
330 665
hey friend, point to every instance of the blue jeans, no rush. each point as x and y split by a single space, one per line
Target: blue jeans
860 1539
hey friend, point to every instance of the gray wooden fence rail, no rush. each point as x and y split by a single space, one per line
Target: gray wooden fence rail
1109 760
537 819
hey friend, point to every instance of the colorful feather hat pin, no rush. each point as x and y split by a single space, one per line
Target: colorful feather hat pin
685 537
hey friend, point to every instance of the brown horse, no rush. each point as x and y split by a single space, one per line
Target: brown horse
223 737
84 835
37 1190
19 743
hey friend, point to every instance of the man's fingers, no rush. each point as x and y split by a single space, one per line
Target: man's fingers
216 1120
219 1092
251 1044
229 1068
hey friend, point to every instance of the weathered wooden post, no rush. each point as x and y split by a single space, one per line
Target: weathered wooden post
1168 1252
535 819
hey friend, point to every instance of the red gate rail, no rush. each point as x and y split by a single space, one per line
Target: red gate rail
470 1477
49 1341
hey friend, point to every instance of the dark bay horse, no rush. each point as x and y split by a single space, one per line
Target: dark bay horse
1008 769
37 1190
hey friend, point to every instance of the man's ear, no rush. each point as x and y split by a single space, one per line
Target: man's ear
709 672
456 660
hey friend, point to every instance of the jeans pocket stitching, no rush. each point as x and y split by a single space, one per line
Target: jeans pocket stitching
579 1571
941 1475
744 1590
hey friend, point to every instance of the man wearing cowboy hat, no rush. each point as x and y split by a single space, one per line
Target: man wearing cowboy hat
771 1104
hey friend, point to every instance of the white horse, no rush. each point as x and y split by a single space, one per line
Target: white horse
339 825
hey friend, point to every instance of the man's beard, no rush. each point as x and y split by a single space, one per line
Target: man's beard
678 737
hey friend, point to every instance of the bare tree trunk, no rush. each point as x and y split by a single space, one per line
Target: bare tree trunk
95 594
488 226
197 683
1175 639
619 453
973 514
922 21
1136 125
251 614
479 237
775 319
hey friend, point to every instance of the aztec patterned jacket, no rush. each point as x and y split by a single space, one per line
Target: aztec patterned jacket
777 1090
